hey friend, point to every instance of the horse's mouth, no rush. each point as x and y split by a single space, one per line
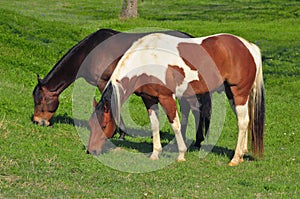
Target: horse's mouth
41 121
94 152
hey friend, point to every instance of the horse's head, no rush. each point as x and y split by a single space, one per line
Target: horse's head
102 122
45 104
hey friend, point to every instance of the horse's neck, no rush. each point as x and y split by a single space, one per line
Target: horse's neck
66 70
55 88
60 77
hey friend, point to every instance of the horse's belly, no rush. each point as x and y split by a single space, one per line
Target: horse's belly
200 87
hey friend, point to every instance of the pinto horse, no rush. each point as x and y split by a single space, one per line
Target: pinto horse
94 59
164 67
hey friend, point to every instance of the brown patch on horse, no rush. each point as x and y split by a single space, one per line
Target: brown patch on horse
174 76
145 84
169 105
196 57
240 81
221 58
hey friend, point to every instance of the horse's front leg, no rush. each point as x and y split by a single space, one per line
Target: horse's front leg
153 116
152 108
169 105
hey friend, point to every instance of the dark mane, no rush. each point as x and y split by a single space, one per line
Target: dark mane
110 100
72 60
106 98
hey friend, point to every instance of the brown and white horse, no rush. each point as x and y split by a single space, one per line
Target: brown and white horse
164 67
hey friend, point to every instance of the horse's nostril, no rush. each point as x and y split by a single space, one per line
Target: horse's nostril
94 152
43 123
35 122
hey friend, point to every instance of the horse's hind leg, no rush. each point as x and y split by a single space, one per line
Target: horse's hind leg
204 114
169 105
199 127
241 111
243 122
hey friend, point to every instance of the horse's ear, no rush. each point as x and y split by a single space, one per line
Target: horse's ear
39 79
95 102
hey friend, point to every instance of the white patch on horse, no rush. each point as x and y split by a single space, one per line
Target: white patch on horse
152 55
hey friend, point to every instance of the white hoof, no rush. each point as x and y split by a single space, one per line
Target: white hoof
154 156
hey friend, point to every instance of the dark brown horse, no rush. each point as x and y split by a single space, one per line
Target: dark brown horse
163 67
93 59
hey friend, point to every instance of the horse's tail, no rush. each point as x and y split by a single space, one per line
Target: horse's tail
257 110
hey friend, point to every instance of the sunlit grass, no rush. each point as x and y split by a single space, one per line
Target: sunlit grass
51 162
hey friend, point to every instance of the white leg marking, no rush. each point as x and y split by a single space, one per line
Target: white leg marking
180 142
243 122
245 147
157 148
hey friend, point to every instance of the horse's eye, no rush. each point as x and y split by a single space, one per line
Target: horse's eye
103 127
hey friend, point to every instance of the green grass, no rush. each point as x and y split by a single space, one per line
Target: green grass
40 162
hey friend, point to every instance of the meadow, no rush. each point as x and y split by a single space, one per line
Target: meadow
51 162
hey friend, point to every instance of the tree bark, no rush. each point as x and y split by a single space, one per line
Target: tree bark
129 9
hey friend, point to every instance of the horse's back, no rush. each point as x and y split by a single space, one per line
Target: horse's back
206 61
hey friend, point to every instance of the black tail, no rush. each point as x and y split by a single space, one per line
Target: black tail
257 115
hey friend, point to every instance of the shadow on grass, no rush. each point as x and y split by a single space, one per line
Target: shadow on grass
170 145
219 150
167 140
142 144
63 119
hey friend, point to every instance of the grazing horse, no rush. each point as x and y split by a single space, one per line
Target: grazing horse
164 67
94 59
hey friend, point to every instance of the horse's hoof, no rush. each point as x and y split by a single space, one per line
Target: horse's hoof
197 145
154 157
180 160
233 164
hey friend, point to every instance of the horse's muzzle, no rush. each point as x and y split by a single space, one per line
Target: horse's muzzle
41 122
94 152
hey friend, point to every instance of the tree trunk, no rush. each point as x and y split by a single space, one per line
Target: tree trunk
129 8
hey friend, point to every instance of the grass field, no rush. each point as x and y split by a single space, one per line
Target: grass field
50 162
